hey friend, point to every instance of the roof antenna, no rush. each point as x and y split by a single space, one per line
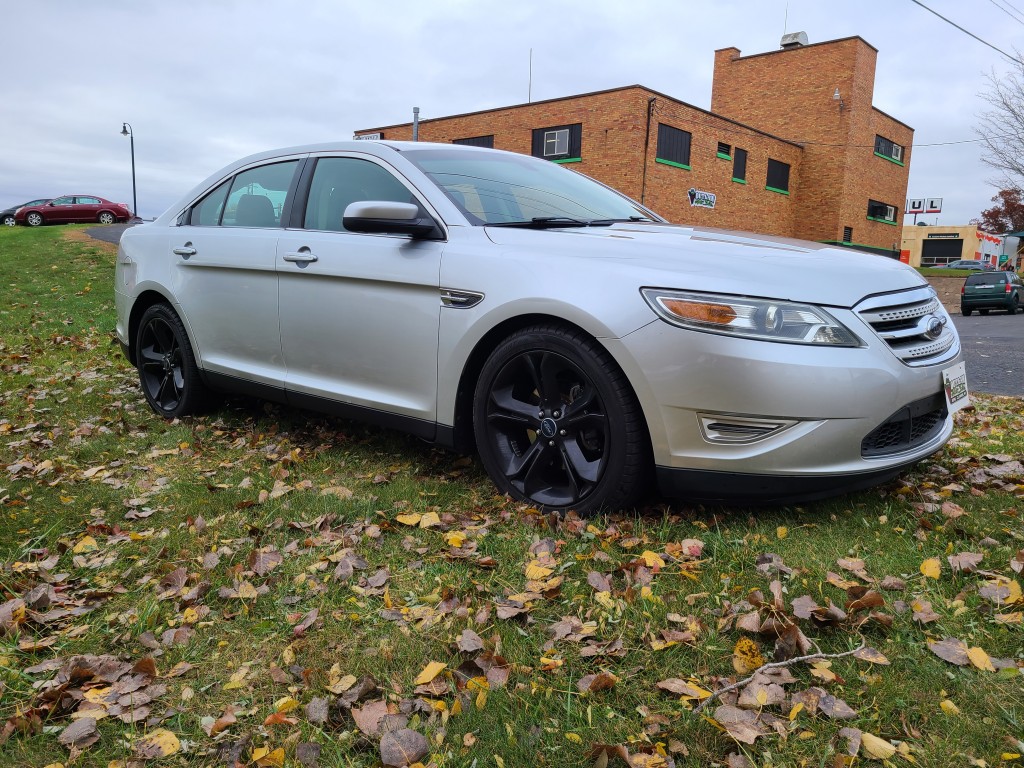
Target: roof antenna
785 20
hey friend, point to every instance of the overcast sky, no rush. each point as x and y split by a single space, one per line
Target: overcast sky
204 83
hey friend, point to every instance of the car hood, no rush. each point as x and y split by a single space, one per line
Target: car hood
722 261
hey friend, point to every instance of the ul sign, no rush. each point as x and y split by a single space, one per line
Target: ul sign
933 205
915 206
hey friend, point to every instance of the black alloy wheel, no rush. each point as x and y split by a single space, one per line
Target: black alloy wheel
557 424
167 367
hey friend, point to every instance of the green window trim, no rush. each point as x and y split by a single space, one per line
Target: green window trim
890 159
776 189
673 163
739 181
723 155
882 221
568 160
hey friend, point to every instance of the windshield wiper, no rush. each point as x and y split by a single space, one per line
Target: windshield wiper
544 222
607 222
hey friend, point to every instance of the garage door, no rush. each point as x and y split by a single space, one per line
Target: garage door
935 252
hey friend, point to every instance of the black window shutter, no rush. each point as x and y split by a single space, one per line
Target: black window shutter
477 141
673 144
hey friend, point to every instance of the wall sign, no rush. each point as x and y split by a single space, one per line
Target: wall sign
700 199
369 137
933 205
943 235
915 206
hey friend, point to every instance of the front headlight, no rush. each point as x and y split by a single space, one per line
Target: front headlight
762 319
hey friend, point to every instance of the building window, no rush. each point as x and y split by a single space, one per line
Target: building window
724 151
739 166
673 146
888 150
477 141
778 177
561 143
882 212
847 234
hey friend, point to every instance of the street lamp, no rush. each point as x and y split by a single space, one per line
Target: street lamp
126 130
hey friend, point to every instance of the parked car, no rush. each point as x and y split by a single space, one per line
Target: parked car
991 290
968 264
72 208
583 345
7 216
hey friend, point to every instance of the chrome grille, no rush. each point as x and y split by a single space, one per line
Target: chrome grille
901 320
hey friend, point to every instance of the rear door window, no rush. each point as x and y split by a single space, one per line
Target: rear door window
258 196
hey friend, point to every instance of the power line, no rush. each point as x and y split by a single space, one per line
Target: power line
1012 6
970 34
1008 13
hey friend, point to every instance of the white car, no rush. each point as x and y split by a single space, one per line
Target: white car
585 347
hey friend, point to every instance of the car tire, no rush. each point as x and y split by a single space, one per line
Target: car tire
982 311
167 366
1014 305
34 219
106 218
557 424
966 312
10 221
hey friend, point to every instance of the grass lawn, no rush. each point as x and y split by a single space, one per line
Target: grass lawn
265 586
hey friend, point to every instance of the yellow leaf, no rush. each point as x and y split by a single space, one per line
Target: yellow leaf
455 538
413 518
432 670
1017 617
876 748
97 695
822 670
264 758
429 520
932 567
481 699
536 571
796 710
746 656
781 532
1010 756
652 559
761 697
575 738
287 704
159 743
499 762
247 591
980 659
949 707
85 544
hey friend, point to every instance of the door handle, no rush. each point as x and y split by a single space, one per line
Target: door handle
185 252
301 257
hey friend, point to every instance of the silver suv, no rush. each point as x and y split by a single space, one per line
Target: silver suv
582 345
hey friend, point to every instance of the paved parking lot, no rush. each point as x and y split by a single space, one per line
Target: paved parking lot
994 350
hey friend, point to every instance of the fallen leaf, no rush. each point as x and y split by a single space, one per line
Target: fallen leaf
469 641
949 707
432 670
597 682
80 734
875 748
746 656
952 650
158 743
403 747
980 659
932 568
965 562
870 654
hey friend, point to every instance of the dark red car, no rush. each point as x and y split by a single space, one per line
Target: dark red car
71 209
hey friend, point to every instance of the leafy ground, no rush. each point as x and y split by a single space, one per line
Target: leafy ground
263 586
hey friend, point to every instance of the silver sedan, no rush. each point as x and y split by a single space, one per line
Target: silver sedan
585 348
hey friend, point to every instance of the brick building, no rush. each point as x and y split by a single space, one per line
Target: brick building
792 145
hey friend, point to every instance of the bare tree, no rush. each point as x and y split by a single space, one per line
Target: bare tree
1002 128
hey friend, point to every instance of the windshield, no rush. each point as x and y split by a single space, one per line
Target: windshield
506 188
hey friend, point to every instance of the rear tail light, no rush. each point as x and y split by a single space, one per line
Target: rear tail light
1009 288
963 289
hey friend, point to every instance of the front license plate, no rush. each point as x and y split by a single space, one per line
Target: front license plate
954 382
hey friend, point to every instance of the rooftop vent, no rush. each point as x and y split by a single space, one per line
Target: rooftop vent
794 40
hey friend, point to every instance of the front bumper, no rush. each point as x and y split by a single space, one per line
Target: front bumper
832 400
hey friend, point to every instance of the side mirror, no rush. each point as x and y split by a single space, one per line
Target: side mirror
384 217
